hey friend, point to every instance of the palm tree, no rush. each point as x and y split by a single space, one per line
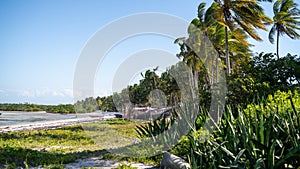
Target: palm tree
239 46
286 21
236 15
205 27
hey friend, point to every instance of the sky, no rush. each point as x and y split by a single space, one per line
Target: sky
41 42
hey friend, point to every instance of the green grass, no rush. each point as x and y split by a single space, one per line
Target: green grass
124 166
64 145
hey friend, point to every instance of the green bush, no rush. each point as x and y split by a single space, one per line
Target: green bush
281 102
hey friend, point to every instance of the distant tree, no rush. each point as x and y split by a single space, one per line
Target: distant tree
87 105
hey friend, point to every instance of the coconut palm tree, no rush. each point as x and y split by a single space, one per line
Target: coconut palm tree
286 21
239 46
204 28
236 15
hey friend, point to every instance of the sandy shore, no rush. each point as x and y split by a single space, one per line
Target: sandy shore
48 124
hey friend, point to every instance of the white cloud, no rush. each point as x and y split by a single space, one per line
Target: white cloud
46 95
27 93
39 96
68 92
46 92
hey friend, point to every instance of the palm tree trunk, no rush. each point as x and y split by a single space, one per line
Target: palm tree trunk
277 49
212 72
217 68
227 52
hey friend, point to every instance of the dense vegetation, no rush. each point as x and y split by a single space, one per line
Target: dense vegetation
259 127
264 135
62 108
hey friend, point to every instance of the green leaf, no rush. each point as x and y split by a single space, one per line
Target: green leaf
271 156
239 156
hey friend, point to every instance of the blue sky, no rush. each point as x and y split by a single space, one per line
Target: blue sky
42 40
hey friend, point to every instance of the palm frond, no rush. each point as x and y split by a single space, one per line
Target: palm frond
286 5
201 11
178 40
249 29
272 33
292 33
276 7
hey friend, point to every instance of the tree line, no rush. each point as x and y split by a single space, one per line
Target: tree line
62 108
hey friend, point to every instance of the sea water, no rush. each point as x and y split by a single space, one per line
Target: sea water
8 118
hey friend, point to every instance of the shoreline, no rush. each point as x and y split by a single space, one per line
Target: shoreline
54 124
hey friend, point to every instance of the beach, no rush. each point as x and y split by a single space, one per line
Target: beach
19 121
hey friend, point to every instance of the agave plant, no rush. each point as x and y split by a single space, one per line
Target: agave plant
157 126
259 140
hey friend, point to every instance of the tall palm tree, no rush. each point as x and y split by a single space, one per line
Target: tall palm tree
286 21
239 46
213 31
239 14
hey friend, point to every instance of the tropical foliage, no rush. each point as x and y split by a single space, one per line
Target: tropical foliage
260 125
262 76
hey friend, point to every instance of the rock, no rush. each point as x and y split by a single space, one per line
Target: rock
170 161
